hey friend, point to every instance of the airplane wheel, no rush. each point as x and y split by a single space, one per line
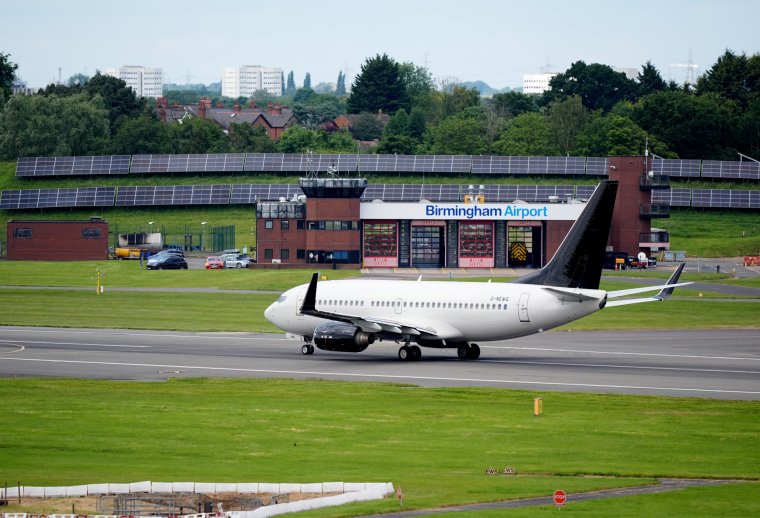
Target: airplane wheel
474 351
416 352
307 349
404 353
463 351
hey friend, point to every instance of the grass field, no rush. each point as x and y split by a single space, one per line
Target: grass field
435 443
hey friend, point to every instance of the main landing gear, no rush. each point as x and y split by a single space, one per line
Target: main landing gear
468 352
307 348
409 353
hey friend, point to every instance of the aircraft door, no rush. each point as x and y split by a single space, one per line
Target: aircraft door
522 307
399 304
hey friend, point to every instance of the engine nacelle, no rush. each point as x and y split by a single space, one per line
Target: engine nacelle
339 336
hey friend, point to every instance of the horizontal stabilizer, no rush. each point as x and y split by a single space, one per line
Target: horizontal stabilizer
665 290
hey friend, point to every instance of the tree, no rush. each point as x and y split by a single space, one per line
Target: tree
291 88
397 125
313 109
297 139
416 124
692 126
511 104
282 83
141 135
7 75
650 80
527 134
734 77
378 87
120 100
246 138
53 126
458 98
77 79
340 88
367 127
458 136
417 80
307 80
198 135
566 119
615 135
598 85
397 145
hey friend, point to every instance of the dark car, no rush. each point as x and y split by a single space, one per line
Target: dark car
168 262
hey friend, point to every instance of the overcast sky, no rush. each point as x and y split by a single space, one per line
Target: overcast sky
496 41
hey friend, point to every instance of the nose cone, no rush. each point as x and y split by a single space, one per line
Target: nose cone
269 313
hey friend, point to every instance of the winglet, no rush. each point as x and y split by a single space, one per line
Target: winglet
310 299
666 292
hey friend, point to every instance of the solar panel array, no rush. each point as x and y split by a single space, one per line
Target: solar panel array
731 170
681 168
222 162
723 198
57 198
72 165
535 165
168 195
673 197
596 166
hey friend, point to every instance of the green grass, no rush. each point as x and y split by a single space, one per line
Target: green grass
713 233
128 274
434 442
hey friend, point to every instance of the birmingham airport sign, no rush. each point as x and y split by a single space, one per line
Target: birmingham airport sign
472 211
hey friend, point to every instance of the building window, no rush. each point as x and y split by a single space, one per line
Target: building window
268 224
284 224
268 253
300 253
90 233
22 233
300 224
284 253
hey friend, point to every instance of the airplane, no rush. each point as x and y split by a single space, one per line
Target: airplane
349 315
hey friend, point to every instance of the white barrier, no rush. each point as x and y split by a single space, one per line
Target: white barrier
350 492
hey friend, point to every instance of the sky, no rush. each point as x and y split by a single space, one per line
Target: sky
496 41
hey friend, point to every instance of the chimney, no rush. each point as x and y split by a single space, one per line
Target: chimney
161 113
161 102
236 107
277 110
204 105
219 104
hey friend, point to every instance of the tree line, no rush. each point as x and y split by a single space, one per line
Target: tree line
589 110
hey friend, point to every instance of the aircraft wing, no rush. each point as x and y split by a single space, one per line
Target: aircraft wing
372 324
665 291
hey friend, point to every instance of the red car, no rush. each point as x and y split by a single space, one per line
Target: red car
214 263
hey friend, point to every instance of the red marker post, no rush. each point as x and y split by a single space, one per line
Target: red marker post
560 497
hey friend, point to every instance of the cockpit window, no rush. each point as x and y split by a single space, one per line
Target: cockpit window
281 299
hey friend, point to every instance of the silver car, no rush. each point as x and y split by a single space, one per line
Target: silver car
239 261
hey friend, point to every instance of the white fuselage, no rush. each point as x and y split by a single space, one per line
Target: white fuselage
449 311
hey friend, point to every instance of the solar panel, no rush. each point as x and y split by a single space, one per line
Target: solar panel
673 197
72 165
724 198
242 194
737 170
254 162
673 167
596 166
57 198
168 195
584 192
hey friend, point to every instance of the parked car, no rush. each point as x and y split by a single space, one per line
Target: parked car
214 263
167 262
239 261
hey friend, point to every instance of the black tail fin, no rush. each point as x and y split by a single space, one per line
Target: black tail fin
579 259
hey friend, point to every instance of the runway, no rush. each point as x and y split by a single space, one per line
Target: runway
721 364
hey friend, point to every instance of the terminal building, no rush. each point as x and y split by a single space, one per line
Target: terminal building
329 224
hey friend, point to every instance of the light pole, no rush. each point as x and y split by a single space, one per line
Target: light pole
151 226
204 225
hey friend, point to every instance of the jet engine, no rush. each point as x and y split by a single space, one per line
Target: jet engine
339 336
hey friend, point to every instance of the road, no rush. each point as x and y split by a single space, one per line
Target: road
721 364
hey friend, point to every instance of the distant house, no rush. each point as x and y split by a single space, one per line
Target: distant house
275 118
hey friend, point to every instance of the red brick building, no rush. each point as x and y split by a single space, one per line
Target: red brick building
54 240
